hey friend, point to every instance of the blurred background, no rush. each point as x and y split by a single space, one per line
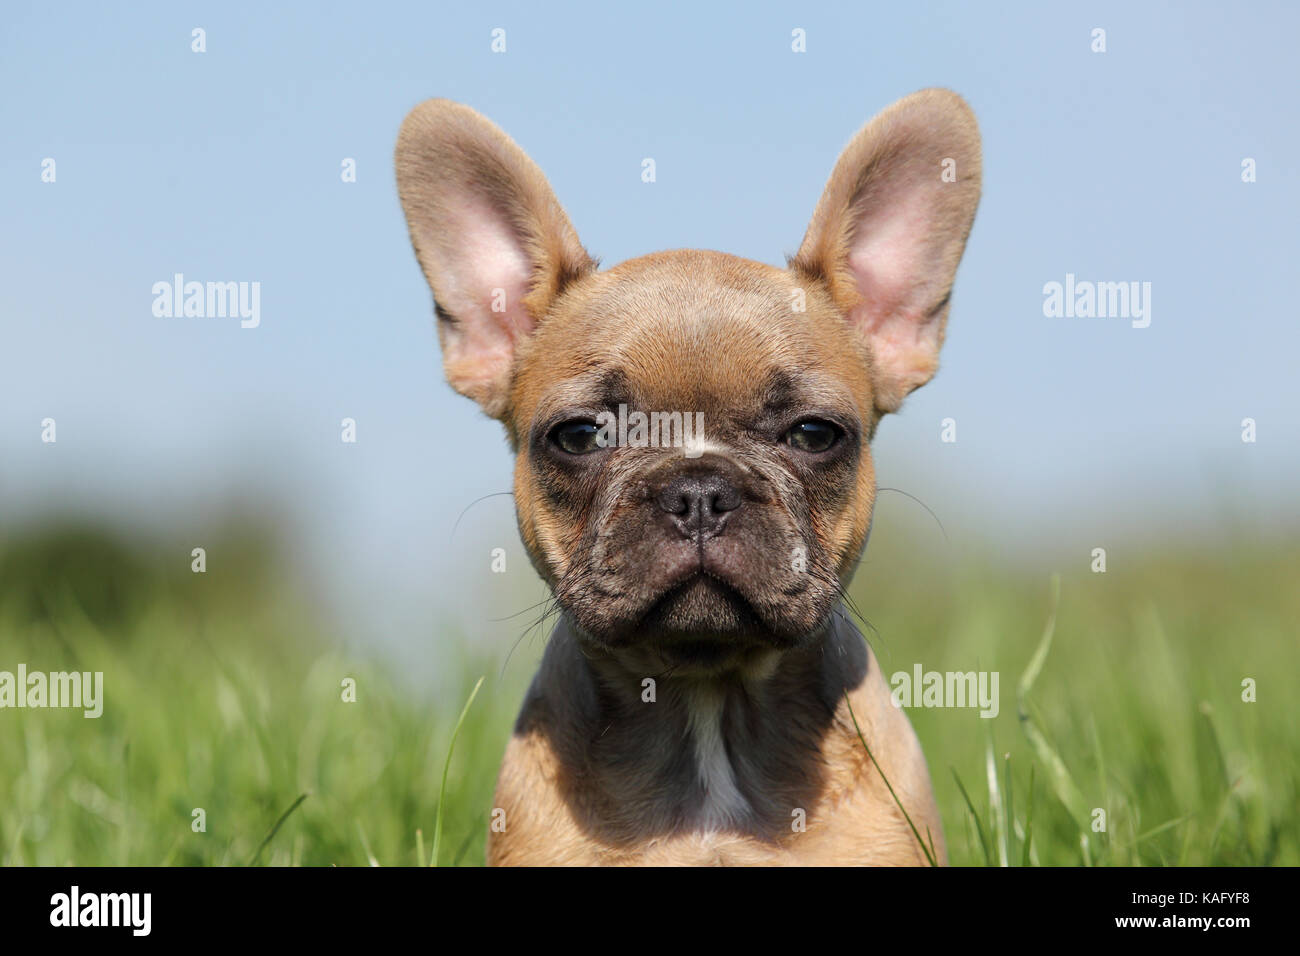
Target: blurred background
328 559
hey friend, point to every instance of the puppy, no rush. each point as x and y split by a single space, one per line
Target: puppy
700 700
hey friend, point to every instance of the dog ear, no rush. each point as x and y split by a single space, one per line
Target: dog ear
491 238
890 229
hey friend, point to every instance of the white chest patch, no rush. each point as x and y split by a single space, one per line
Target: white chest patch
723 801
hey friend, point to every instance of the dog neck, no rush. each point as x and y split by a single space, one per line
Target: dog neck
647 752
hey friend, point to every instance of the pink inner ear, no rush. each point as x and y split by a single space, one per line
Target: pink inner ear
888 259
487 266
892 262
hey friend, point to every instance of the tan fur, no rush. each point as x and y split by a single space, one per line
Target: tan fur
579 332
740 745
856 823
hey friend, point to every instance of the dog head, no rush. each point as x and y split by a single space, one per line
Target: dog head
728 517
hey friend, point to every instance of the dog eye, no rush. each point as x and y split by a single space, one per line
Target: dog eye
577 437
812 436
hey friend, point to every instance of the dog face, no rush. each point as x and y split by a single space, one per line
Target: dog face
728 523
739 536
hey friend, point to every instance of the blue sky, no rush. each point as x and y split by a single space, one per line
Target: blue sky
225 165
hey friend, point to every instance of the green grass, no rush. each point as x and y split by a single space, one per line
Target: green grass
223 693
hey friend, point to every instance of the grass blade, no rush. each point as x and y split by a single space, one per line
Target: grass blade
979 827
365 845
276 828
1029 821
997 811
1011 809
442 789
1062 783
915 832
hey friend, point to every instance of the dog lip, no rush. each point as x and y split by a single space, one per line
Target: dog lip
700 573
726 591
693 574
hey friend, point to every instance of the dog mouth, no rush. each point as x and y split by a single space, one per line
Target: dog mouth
650 587
700 611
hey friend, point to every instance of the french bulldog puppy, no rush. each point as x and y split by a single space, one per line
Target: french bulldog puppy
701 698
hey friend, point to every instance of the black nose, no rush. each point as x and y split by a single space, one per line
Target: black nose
698 503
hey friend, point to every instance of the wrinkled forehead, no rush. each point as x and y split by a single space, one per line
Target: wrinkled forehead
719 338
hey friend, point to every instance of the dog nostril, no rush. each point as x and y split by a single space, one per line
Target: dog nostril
708 496
677 504
676 500
725 499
